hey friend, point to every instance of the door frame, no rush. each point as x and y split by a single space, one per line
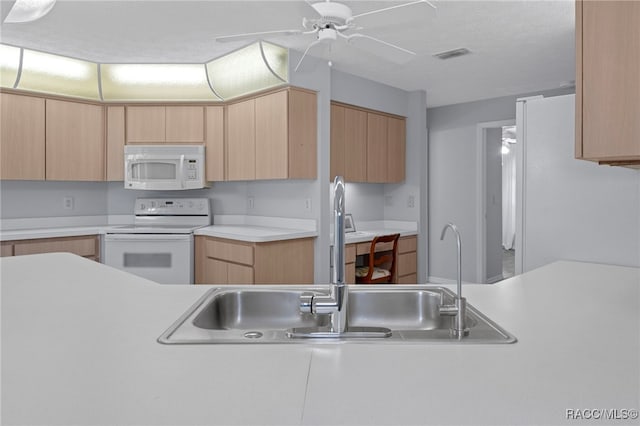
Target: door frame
481 194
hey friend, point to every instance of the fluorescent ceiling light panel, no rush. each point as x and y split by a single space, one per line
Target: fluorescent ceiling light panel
251 73
155 82
43 72
9 65
28 10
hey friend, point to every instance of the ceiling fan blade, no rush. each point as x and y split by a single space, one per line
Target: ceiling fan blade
391 8
377 40
245 36
314 43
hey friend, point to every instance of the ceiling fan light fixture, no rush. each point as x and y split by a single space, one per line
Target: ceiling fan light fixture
28 10
449 54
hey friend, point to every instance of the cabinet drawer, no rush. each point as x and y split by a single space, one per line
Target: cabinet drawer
232 252
365 248
6 250
82 246
407 244
407 264
408 279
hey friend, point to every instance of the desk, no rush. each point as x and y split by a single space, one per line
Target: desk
407 262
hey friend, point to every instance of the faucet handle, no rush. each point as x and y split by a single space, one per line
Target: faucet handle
306 303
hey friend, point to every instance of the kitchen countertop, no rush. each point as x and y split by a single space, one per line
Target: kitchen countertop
79 347
236 227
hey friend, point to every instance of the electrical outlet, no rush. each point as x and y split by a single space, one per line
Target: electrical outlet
411 201
250 202
67 203
307 204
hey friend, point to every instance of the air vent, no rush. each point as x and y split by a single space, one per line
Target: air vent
452 53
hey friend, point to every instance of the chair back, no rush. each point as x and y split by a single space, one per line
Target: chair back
380 255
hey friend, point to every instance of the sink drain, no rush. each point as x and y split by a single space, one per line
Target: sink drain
253 334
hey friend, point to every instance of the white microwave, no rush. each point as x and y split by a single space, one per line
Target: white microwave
164 167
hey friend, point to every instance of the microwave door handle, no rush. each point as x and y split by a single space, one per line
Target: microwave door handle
181 171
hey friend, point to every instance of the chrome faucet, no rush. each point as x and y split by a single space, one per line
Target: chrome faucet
459 309
336 302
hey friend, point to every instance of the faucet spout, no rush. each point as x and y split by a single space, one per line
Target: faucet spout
460 308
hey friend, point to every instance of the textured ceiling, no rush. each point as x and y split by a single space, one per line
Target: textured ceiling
517 46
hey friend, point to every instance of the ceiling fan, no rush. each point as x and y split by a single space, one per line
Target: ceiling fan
335 21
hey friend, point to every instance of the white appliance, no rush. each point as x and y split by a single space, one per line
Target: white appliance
159 245
164 167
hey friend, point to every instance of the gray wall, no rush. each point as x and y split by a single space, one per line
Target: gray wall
452 174
27 199
575 210
493 240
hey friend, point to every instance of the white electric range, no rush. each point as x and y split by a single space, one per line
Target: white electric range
159 245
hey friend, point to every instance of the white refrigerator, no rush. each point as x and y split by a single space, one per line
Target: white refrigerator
567 208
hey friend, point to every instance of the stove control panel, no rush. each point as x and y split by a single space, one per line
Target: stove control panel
172 207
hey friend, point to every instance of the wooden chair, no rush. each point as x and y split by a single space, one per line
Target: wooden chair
382 262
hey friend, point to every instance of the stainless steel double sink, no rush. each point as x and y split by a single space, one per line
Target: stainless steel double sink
255 315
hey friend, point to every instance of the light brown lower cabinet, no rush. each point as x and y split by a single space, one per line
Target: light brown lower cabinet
224 261
407 261
86 246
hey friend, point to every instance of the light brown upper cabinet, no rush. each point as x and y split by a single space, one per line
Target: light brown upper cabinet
22 143
150 124
608 82
348 144
74 141
115 143
273 136
214 145
366 145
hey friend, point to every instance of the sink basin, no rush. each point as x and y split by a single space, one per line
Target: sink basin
263 315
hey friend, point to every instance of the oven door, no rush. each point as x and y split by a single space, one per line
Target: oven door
163 258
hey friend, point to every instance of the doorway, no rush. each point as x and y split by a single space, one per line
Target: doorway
496 202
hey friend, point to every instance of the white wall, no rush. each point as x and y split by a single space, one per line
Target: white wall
452 153
576 210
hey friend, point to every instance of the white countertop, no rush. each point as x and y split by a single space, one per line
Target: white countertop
367 231
236 227
79 347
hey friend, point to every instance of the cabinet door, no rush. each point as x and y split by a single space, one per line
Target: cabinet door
145 124
608 72
86 246
337 144
74 141
22 140
115 143
271 143
184 124
241 147
355 150
214 143
239 274
396 149
376 147
303 135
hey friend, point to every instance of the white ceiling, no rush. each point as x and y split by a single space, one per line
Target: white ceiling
517 46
